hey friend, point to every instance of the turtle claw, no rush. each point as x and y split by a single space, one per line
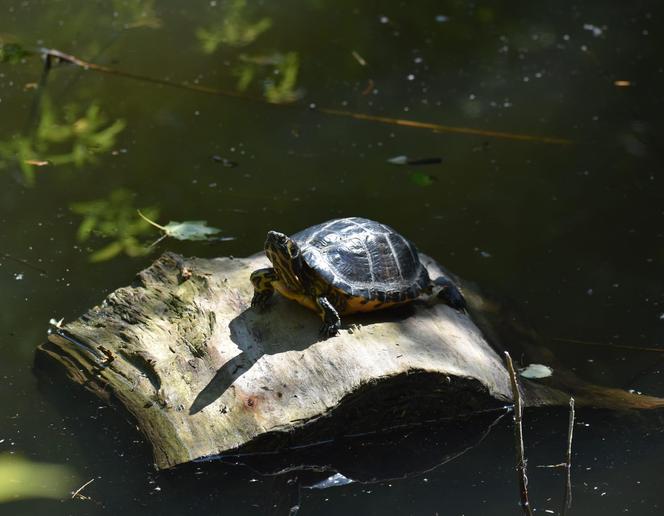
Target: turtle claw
260 299
450 294
330 329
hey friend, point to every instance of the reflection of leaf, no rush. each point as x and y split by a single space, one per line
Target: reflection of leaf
235 30
136 13
113 218
284 67
21 478
12 53
187 230
67 138
284 90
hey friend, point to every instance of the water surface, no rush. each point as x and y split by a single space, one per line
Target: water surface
568 235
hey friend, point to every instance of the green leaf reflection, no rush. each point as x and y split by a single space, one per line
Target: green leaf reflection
136 13
278 71
21 479
234 30
72 137
114 218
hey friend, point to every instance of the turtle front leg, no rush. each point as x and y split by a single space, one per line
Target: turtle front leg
449 293
262 280
331 319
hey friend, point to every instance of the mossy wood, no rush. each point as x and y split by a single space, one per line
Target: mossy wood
203 374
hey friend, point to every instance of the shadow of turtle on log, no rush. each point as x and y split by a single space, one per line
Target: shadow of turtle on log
256 335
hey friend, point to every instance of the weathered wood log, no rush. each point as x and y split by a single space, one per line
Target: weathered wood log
202 373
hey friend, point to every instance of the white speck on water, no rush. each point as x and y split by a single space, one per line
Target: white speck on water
410 77
384 19
597 31
18 276
584 48
661 317
566 37
417 60
441 18
471 96
589 292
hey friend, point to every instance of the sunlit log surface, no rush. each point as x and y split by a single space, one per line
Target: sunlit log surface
203 374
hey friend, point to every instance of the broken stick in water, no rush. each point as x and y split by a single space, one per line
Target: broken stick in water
518 438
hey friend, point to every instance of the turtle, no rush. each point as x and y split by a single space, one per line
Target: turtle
344 266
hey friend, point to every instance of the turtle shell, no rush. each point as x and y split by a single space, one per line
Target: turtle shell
364 259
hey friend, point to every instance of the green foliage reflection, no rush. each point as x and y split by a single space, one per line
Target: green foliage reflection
21 478
71 138
279 73
136 13
12 53
114 218
235 29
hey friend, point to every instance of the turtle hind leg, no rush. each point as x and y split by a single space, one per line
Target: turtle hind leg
449 293
262 280
330 316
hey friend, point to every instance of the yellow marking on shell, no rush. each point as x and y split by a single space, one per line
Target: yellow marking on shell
355 305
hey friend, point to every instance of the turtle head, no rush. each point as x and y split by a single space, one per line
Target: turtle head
285 255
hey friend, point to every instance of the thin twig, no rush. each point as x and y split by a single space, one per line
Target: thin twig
606 345
518 439
86 65
568 460
78 491
8 256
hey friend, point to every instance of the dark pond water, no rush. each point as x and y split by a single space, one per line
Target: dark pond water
571 236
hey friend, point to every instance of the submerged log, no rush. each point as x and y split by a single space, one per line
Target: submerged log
203 374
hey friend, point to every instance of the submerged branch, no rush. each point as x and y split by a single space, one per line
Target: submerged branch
71 59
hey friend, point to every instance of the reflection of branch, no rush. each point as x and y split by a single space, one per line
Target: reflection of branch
567 504
68 58
518 439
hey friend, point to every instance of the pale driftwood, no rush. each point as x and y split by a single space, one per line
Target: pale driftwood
202 373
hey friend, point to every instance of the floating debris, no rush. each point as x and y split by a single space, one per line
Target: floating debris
405 160
335 480
536 371
186 230
224 161
359 58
